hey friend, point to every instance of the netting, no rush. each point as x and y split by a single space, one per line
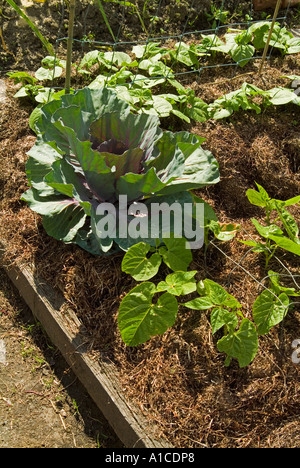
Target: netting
184 60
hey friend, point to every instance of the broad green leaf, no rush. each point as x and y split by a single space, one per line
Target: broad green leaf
139 318
64 179
286 243
200 303
288 221
184 54
24 91
259 31
48 74
241 345
34 117
136 186
242 53
39 163
22 77
161 106
220 317
138 265
255 198
292 201
276 286
267 231
293 45
118 58
219 296
176 255
257 246
198 110
179 283
280 96
269 310
180 114
62 217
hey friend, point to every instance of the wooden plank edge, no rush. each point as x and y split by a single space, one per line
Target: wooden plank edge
99 378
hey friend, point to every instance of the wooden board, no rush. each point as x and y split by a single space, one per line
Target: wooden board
99 378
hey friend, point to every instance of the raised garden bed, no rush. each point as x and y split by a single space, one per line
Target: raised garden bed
177 381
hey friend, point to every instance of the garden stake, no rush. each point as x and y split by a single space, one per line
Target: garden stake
70 44
269 37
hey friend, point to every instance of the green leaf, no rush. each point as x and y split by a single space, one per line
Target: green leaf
224 231
269 310
48 74
136 186
267 231
200 303
286 243
136 263
280 96
288 221
118 58
219 296
258 247
259 31
293 45
292 201
139 318
22 77
39 163
241 54
220 317
179 283
277 288
176 255
242 345
62 217
34 117
256 198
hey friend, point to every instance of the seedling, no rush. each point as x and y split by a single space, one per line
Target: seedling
273 236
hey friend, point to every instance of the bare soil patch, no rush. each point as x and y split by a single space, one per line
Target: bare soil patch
42 404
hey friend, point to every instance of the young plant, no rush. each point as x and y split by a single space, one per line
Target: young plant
272 305
144 312
150 309
32 86
274 236
94 163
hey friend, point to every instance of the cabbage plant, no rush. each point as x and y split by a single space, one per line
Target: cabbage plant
91 151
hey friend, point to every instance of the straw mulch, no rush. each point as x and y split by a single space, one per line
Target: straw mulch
179 379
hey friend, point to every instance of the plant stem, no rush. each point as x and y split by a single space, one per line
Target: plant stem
105 19
269 37
70 46
44 41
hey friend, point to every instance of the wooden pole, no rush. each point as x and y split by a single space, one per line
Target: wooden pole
70 46
269 37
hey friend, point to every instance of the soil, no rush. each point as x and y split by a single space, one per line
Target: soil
42 404
179 379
